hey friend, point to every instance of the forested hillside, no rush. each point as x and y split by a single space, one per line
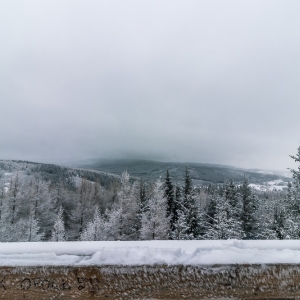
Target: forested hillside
33 194
200 173
53 203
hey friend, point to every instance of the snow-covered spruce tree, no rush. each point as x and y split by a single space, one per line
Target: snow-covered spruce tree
296 173
94 230
222 225
58 232
292 212
142 205
211 208
169 195
136 209
180 223
217 222
273 219
281 218
232 198
279 222
155 223
231 194
292 208
248 215
190 208
293 199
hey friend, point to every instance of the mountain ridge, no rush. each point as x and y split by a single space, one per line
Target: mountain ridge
201 173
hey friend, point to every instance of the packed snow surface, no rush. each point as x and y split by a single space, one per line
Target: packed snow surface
205 252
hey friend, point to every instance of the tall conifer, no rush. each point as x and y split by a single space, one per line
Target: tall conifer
190 208
169 195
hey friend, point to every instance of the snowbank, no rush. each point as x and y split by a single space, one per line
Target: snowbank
149 253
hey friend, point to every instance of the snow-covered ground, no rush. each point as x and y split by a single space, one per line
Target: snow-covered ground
277 185
150 252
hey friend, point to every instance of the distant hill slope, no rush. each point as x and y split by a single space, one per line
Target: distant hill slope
32 195
105 171
52 173
200 173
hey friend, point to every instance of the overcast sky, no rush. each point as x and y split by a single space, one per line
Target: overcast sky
198 81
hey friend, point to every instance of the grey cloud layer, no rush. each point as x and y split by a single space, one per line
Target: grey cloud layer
206 81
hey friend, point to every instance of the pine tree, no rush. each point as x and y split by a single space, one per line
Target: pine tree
286 216
190 209
279 222
273 223
296 173
294 188
231 194
248 213
178 205
211 208
223 225
234 202
180 227
169 195
180 231
188 184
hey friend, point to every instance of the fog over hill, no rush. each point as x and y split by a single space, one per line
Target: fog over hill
201 81
200 173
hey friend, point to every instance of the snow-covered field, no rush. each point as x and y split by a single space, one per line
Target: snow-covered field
150 253
274 185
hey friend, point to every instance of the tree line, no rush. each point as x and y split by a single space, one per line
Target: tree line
36 208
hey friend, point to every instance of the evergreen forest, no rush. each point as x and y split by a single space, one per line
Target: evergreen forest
41 202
